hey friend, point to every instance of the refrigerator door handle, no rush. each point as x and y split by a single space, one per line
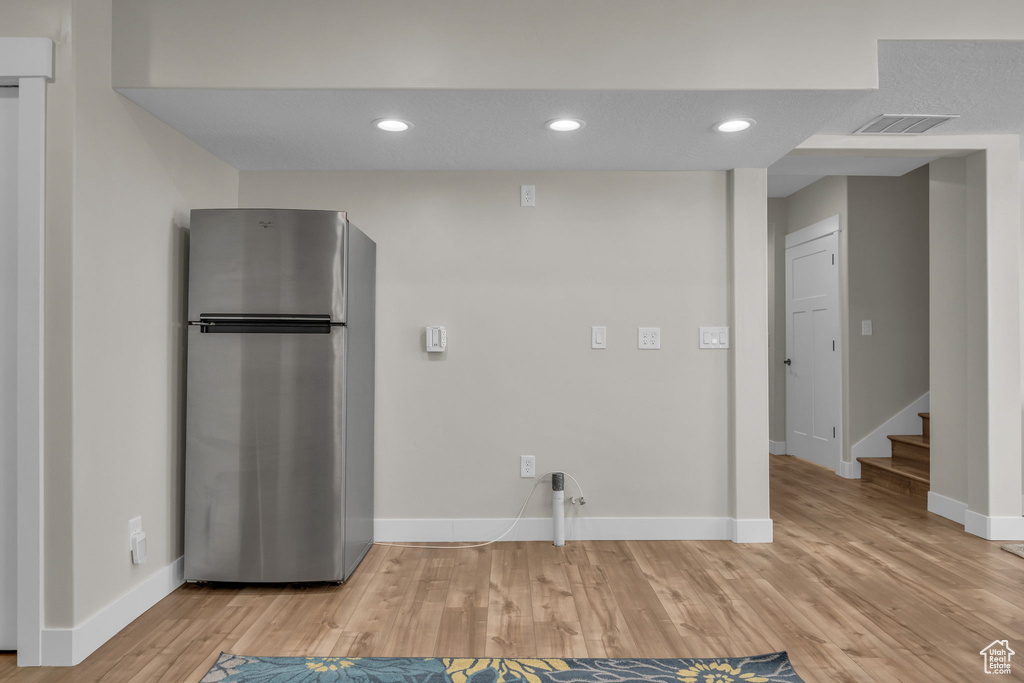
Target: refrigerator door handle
263 324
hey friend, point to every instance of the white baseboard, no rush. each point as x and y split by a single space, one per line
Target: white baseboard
70 646
994 528
946 507
877 445
848 470
576 529
777 447
751 530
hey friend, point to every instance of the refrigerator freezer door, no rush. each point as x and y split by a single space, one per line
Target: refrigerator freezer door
264 475
267 261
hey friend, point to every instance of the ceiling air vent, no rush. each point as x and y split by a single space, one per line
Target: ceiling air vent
903 124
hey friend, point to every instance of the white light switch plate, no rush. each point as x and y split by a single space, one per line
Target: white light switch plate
599 337
714 337
865 327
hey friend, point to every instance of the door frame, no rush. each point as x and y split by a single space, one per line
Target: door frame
28 63
814 231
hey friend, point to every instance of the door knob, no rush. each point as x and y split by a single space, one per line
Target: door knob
788 362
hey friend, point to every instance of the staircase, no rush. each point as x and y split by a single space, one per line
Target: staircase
908 469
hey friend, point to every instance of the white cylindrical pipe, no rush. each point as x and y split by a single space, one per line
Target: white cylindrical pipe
558 516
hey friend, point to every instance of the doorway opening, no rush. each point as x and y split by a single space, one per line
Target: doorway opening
860 373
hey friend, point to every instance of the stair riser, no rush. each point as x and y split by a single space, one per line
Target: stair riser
910 455
893 482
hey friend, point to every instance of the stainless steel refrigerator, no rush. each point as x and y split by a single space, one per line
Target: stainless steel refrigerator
279 424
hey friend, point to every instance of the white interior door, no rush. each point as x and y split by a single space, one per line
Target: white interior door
814 372
8 365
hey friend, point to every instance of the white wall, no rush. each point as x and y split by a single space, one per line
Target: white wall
135 180
778 226
8 362
519 289
119 186
948 324
888 284
641 44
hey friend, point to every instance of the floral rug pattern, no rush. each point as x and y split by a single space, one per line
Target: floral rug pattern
770 668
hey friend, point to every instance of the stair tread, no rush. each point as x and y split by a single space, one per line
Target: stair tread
900 470
913 439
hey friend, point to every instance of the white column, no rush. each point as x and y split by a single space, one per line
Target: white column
31 208
994 381
747 196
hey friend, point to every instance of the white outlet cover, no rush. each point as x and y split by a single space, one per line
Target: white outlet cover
527 195
527 466
648 338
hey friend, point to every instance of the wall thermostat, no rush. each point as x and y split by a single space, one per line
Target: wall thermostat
437 339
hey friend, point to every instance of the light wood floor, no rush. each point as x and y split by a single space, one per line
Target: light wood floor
859 585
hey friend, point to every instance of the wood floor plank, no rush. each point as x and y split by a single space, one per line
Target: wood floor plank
414 632
510 606
604 626
462 631
858 585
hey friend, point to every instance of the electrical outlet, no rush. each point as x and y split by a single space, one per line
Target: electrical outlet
527 466
527 195
134 527
648 338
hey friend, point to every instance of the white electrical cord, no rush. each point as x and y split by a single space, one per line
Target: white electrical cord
507 531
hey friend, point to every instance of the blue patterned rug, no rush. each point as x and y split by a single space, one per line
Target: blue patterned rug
771 668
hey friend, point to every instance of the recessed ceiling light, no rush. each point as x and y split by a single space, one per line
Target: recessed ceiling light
734 125
392 125
565 125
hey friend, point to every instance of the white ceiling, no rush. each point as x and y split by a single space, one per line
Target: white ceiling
626 130
491 130
982 81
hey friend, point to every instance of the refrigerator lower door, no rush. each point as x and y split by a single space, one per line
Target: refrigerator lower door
265 462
